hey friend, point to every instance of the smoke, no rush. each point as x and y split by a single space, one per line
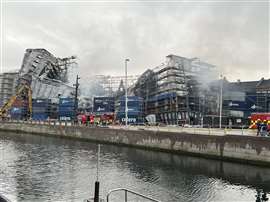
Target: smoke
235 45
234 37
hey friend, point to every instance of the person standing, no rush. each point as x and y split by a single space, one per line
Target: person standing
83 119
258 124
263 130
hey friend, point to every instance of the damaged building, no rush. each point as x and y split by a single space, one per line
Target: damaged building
175 92
47 74
33 91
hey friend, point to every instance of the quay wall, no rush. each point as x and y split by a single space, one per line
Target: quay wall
240 148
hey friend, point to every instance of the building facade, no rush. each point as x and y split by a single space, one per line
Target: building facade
263 95
173 91
8 82
242 98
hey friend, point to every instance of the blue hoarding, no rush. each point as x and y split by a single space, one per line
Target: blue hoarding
134 103
66 102
40 116
246 105
103 104
133 118
41 102
236 105
17 112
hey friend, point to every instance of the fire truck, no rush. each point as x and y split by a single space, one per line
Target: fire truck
259 117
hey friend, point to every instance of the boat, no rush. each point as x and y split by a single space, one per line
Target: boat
126 191
3 199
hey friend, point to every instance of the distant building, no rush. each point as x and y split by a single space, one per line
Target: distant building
8 83
241 99
248 96
263 95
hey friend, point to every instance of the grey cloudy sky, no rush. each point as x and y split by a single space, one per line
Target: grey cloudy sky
233 36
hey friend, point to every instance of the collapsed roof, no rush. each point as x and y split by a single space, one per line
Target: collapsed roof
47 74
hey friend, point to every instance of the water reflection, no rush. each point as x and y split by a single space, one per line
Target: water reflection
237 174
37 168
196 177
261 196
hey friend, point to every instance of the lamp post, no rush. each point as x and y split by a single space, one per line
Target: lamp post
126 98
76 99
220 101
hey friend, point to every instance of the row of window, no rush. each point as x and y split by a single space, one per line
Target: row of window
178 116
264 91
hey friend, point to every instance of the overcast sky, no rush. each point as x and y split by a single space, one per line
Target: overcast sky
232 36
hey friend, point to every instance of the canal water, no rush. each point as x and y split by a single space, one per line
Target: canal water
39 169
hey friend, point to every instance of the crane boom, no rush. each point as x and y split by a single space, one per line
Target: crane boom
4 109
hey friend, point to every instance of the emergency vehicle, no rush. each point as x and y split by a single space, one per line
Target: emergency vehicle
259 117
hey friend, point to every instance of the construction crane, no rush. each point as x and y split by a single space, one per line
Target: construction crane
38 65
23 90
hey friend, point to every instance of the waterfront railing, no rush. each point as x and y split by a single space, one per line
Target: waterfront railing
175 129
127 191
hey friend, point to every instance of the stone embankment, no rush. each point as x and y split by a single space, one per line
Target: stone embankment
240 148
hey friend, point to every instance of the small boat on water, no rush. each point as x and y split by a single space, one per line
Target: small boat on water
124 190
3 199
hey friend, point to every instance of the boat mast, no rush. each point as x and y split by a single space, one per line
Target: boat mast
96 197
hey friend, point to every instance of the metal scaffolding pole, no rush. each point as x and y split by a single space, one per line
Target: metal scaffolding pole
126 98
220 101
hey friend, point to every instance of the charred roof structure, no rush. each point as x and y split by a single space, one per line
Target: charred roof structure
106 85
47 74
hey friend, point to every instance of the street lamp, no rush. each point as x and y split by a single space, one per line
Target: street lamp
220 101
126 99
76 98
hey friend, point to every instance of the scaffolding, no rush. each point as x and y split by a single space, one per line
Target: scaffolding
263 95
172 90
112 84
